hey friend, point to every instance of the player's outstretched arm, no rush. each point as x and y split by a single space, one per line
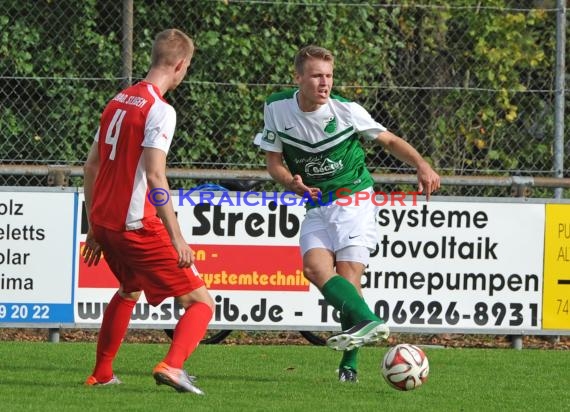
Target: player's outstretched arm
428 179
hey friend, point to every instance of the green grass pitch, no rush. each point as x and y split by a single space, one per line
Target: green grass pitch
41 376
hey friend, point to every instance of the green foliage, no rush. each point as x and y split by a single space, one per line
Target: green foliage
506 52
60 109
453 82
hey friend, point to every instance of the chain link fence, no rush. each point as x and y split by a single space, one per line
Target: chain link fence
474 86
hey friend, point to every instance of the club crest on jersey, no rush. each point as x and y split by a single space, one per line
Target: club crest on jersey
269 136
330 125
324 168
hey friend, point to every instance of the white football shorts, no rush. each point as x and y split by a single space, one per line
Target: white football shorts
350 231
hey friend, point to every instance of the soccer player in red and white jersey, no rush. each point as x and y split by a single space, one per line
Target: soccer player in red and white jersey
146 252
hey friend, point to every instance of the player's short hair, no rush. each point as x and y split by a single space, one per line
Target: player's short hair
311 52
170 46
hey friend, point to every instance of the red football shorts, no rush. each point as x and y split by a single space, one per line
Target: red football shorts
144 259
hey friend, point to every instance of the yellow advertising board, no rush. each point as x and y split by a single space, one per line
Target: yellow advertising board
556 300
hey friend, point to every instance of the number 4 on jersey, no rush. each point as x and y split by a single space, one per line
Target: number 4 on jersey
114 130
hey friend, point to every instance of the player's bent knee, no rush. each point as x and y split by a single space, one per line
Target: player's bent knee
130 295
310 272
198 295
317 277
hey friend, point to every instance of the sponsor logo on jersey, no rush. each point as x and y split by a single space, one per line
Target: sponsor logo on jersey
327 167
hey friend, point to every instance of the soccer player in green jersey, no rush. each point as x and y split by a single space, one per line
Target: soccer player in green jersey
312 143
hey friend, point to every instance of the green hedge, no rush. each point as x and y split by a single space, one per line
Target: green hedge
60 62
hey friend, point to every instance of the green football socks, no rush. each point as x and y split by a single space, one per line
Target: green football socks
349 357
343 296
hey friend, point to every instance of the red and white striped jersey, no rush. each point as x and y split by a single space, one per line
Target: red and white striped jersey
136 118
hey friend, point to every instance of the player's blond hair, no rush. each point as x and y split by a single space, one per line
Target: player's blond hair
311 52
170 46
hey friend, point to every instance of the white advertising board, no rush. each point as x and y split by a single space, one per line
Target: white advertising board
460 265
438 266
37 246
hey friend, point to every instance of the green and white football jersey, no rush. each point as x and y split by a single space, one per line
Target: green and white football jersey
323 146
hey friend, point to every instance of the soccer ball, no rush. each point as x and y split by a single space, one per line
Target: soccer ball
405 367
